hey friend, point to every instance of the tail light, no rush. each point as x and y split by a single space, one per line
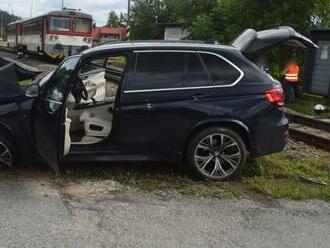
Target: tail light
275 95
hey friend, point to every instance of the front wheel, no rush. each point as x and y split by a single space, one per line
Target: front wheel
217 153
6 153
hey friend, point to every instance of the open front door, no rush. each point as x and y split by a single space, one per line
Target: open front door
49 113
252 42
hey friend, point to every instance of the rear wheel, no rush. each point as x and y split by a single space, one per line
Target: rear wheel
217 153
6 153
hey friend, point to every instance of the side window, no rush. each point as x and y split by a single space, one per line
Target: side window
93 66
221 72
115 66
103 75
114 72
157 70
195 75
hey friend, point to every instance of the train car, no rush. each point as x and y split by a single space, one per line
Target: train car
57 33
14 35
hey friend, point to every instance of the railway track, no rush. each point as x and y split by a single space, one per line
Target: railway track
309 130
42 63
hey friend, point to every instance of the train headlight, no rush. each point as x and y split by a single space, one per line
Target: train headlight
51 37
89 40
56 37
85 39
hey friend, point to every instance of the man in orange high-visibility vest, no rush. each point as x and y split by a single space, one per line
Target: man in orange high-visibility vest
291 79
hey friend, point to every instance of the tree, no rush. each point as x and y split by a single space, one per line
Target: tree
7 18
146 17
202 28
225 19
321 16
113 20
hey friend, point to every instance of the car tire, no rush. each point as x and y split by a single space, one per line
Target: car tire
219 159
7 152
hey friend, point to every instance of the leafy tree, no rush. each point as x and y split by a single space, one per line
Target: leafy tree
7 18
202 28
146 17
225 19
321 16
113 19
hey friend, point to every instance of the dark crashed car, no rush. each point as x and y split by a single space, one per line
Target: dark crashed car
206 105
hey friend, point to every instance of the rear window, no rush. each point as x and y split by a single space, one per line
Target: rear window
157 70
221 72
196 74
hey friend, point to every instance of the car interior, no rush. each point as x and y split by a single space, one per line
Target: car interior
89 121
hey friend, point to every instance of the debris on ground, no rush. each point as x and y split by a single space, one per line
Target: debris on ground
313 181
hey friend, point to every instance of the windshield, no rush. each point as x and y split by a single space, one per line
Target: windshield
45 78
60 24
82 25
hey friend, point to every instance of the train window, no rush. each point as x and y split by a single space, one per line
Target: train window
60 24
32 26
82 25
11 29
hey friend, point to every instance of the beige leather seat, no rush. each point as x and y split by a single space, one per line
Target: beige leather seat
97 123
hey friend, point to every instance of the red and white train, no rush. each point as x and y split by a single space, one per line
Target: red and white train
57 33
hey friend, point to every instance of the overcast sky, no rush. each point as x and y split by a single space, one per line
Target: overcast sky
98 8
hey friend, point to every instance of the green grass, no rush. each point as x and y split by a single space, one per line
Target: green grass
25 83
306 106
160 179
278 175
163 184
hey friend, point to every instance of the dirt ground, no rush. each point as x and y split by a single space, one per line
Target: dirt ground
152 205
42 210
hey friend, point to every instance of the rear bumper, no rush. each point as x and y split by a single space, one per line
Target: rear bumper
270 139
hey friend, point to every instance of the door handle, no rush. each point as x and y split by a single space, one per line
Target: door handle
149 106
200 96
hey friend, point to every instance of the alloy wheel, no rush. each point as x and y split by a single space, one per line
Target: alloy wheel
218 156
6 157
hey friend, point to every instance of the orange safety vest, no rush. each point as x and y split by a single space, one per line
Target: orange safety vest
292 73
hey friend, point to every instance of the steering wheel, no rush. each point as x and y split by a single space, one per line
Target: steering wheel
79 91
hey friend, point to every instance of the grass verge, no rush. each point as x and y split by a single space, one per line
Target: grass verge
160 179
278 175
306 106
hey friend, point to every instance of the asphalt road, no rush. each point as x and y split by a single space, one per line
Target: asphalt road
37 211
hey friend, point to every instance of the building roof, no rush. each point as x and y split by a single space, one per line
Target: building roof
98 31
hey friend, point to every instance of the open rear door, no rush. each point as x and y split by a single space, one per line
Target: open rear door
253 42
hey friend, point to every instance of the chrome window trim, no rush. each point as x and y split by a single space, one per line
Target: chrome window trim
189 88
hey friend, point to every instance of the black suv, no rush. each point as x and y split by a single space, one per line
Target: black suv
207 105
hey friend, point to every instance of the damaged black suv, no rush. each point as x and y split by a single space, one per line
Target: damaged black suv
206 105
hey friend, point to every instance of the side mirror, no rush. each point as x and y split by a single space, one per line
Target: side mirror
32 91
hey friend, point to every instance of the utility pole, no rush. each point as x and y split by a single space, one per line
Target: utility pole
2 22
31 8
129 13
62 4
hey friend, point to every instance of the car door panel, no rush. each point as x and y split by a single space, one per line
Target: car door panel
49 113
